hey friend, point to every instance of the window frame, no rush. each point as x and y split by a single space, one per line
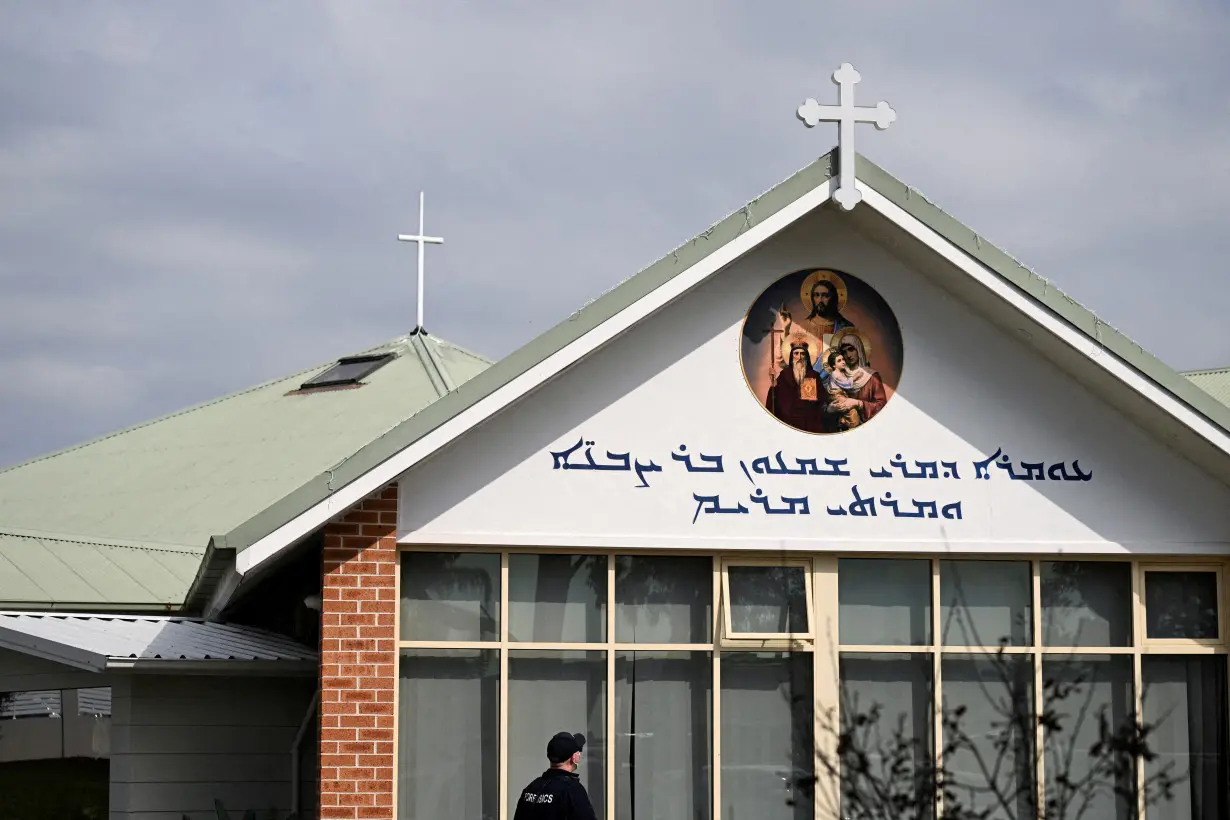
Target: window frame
767 640
823 643
1169 645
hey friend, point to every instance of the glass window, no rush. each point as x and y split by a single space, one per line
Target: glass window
767 734
663 599
1184 699
450 596
1080 692
1181 605
549 692
663 735
1086 603
886 715
984 603
884 601
449 722
557 598
989 744
768 600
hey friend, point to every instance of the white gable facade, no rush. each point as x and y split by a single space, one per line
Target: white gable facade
674 386
694 557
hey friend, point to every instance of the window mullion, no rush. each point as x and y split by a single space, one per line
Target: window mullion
1038 705
610 685
1138 634
826 677
937 705
504 684
719 618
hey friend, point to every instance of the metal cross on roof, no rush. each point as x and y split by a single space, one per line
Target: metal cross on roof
845 114
422 240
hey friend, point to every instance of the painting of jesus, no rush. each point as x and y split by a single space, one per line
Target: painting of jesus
816 373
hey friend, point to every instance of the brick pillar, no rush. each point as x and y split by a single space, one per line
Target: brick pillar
358 661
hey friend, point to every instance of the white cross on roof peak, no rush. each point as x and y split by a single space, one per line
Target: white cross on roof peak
846 114
422 239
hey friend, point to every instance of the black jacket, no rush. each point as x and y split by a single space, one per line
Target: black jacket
556 795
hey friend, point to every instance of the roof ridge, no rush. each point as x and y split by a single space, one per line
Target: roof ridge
88 540
446 343
432 366
1209 371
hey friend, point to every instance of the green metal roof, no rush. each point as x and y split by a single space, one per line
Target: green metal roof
1215 382
56 571
124 520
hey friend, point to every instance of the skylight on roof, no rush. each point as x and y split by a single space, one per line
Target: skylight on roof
348 370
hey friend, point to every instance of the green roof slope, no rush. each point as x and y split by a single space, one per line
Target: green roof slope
1215 382
126 518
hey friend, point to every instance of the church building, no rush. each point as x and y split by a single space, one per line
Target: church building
832 454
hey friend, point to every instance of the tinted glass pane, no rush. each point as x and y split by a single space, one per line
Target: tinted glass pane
884 601
1080 692
663 735
454 694
996 693
986 602
1181 605
1185 704
663 599
886 716
558 598
450 596
346 371
767 735
551 692
1086 603
768 599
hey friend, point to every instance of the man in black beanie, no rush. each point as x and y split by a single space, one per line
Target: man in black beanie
558 794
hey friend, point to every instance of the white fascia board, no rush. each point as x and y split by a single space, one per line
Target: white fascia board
1077 340
345 497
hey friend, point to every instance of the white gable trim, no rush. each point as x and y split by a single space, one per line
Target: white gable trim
1079 341
346 497
351 494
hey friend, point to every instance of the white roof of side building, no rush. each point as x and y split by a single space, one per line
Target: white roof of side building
149 643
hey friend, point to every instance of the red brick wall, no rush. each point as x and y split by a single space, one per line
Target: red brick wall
358 661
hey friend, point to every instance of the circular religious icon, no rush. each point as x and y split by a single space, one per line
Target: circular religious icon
821 351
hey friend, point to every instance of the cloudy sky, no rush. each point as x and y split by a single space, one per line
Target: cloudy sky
196 197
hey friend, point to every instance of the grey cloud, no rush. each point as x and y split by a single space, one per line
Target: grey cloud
197 197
